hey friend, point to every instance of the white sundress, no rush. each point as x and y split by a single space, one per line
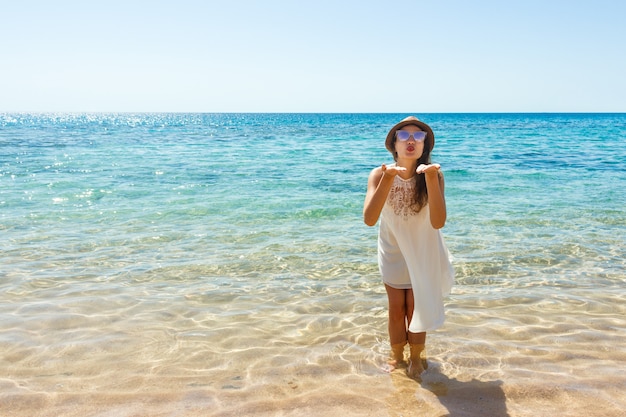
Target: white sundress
413 254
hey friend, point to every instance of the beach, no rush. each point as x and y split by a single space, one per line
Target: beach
218 265
319 359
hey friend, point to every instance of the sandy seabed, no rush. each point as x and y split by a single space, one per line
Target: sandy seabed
336 379
304 393
197 355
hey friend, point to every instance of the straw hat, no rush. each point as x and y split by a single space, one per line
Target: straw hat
411 120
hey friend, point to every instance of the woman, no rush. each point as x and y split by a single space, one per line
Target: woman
408 196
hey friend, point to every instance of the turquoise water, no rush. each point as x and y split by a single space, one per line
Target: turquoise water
223 234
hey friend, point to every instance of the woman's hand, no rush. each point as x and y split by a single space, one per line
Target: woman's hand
428 168
392 171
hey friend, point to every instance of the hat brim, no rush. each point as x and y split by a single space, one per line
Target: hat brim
414 121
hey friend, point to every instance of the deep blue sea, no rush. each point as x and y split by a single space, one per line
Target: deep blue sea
221 253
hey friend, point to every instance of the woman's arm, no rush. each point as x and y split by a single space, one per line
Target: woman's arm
378 185
436 199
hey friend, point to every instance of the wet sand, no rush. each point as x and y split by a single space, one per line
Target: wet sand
504 357
300 393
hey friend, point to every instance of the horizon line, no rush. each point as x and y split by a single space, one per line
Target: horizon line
294 112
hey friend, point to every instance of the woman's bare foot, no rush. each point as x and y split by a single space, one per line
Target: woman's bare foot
415 369
397 356
417 364
394 364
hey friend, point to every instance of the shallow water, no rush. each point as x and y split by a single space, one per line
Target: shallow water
217 264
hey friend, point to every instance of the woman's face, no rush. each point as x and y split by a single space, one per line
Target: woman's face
411 148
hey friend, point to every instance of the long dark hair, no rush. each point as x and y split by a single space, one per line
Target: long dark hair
421 192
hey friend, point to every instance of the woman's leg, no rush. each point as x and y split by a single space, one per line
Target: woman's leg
417 342
397 323
414 338
397 315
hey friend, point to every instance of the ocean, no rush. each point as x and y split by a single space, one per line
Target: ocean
218 264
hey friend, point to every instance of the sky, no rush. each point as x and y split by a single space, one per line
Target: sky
379 56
